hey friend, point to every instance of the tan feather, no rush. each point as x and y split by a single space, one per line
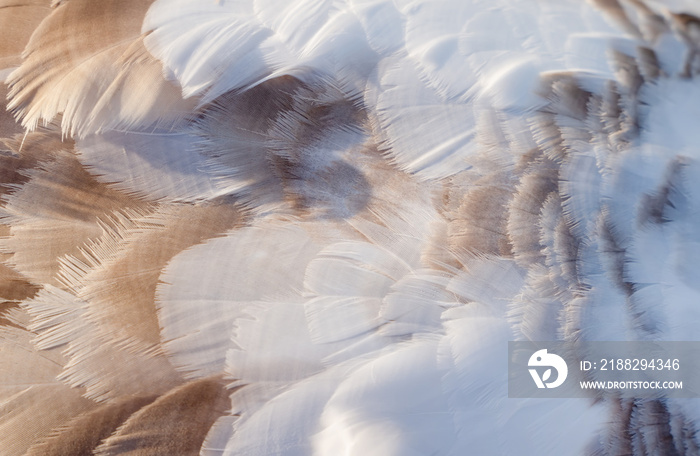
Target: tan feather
13 289
23 154
32 401
87 61
109 313
479 223
617 13
57 210
82 434
176 423
651 24
18 19
8 126
120 289
524 210
648 63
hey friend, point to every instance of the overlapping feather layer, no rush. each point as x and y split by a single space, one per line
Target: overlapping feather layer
310 227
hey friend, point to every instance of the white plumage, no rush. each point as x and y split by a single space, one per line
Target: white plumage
255 227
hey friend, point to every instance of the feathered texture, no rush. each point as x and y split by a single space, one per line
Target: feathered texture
83 433
157 166
175 423
8 128
292 227
27 384
56 210
87 62
18 20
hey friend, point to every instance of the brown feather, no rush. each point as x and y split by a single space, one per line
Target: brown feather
18 19
8 126
57 209
175 424
617 13
92 52
479 224
32 401
81 435
121 291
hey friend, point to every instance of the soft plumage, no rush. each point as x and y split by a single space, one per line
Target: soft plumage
246 227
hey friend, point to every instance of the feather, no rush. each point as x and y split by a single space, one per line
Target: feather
535 186
8 127
382 422
89 63
292 148
25 390
235 46
150 165
289 420
60 320
56 210
115 293
176 422
197 311
293 227
82 434
425 134
126 263
14 288
616 12
479 222
17 21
